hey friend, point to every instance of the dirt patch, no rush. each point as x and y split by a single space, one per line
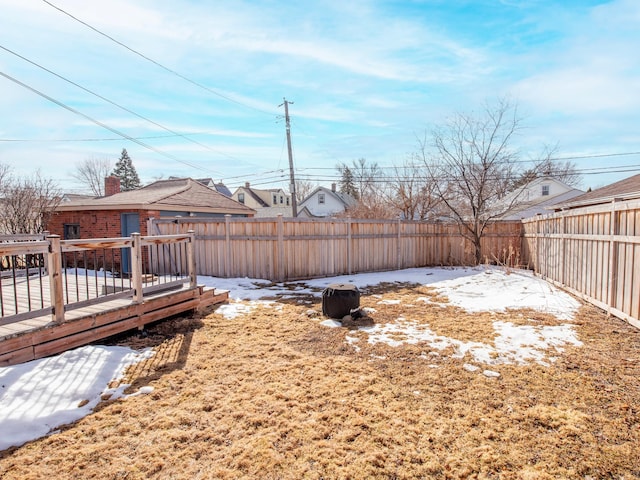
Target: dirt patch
273 394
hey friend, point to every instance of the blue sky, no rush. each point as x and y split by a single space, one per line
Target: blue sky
367 78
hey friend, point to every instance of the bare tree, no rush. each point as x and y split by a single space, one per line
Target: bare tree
27 203
411 192
366 183
472 159
303 189
4 173
92 172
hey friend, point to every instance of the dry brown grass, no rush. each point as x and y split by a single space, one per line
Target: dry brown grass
274 395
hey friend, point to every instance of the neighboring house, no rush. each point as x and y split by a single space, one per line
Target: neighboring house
118 214
324 202
266 203
627 189
537 198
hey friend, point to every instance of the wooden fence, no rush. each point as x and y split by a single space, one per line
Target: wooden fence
282 249
592 252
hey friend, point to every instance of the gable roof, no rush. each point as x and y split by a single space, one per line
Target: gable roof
222 188
249 191
525 206
346 199
626 189
183 194
259 195
539 205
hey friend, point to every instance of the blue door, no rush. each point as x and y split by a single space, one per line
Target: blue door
129 223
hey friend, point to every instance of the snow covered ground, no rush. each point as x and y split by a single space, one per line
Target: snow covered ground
38 396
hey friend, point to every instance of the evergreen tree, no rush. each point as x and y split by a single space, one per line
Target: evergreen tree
126 172
347 181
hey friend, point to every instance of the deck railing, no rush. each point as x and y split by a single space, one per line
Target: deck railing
53 276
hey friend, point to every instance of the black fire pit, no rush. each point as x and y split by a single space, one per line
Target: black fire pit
339 299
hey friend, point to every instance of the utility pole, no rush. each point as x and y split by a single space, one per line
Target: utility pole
292 188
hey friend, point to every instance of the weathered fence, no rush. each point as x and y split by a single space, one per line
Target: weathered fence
593 253
287 249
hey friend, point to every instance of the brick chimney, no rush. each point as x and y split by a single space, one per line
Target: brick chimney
333 187
247 184
111 185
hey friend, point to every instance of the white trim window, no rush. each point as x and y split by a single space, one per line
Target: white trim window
321 198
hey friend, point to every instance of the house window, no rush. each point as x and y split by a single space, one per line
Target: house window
545 190
71 231
241 197
321 198
287 200
275 199
281 199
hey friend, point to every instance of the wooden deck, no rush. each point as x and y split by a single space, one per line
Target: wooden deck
49 307
38 337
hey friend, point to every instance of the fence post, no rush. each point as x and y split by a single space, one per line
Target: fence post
349 245
611 283
136 267
537 239
399 248
563 248
279 270
227 247
54 265
191 258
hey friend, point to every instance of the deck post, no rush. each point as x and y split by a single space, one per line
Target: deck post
54 265
136 267
191 258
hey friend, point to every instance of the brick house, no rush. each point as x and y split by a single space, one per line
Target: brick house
119 214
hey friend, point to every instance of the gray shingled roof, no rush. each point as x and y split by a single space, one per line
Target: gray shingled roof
183 194
628 188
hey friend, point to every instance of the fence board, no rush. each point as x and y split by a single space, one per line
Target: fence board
592 252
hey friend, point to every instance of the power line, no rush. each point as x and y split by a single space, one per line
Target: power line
142 117
533 161
113 139
158 64
386 178
101 124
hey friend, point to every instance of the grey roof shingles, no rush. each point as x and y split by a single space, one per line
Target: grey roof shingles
179 194
627 189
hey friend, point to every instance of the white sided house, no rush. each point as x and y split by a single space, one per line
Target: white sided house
324 202
537 198
267 203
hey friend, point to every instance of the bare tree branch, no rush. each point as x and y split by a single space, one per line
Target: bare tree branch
91 174
303 189
27 203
